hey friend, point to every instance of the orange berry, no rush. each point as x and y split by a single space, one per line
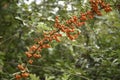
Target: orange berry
57 39
36 55
30 61
103 4
70 30
72 27
58 35
67 21
71 20
83 18
71 37
39 49
20 67
28 54
34 47
107 9
90 16
99 13
75 36
83 23
25 74
79 24
75 18
47 46
63 29
57 17
17 76
40 42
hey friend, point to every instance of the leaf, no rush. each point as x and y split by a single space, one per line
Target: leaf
34 77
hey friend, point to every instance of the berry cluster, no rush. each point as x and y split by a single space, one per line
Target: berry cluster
69 28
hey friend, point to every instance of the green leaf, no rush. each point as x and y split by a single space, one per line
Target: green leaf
34 77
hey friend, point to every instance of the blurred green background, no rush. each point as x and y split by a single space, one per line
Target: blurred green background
95 55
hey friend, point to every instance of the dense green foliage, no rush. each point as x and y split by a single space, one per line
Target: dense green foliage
95 55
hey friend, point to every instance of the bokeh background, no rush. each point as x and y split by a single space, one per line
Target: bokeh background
95 55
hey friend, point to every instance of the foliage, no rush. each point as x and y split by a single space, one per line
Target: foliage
93 56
